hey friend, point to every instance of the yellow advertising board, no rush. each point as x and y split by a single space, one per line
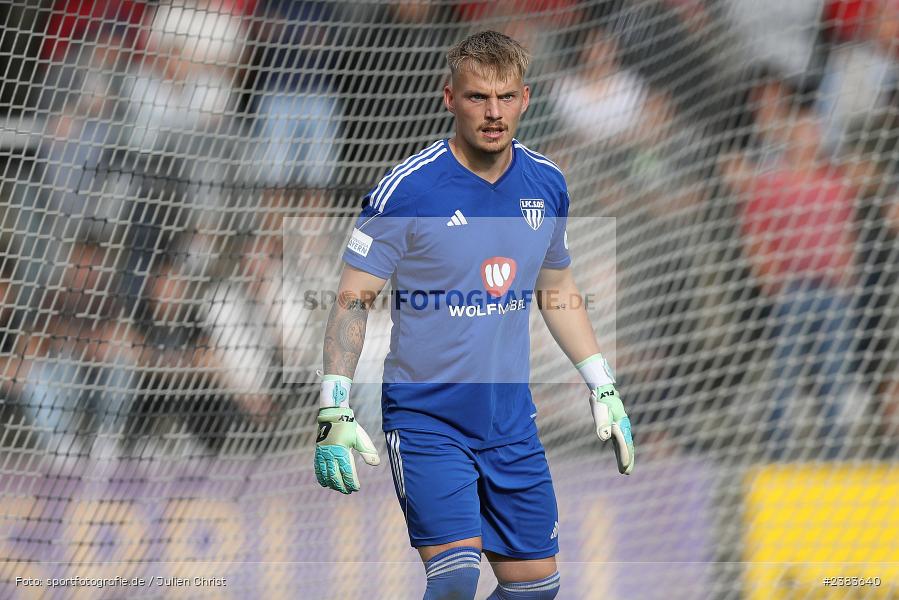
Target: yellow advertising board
822 531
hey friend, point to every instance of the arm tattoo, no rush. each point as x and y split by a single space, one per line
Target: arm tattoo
344 336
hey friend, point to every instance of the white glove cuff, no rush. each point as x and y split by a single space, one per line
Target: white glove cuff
335 391
596 371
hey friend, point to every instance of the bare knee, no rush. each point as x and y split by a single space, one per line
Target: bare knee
514 570
429 552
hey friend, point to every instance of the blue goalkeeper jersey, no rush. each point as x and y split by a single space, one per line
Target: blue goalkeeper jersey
462 256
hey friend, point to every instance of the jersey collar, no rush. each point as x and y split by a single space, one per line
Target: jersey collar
472 174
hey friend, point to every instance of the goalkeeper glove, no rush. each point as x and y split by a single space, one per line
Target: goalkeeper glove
338 433
613 423
608 412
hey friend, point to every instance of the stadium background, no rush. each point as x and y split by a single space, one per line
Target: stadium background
158 384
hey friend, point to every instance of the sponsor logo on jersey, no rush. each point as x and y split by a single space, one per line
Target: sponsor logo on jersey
360 243
532 209
498 273
459 303
485 310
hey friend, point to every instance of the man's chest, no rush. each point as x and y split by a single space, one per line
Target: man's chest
461 235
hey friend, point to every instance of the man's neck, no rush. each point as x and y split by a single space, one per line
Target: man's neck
487 166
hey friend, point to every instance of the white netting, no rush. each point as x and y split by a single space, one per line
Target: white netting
151 153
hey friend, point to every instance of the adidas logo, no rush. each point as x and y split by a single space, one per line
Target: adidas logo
555 532
458 219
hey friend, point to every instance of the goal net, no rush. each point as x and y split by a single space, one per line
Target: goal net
177 183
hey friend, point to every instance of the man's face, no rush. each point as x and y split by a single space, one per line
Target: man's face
487 110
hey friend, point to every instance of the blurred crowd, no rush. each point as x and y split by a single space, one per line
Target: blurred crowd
747 149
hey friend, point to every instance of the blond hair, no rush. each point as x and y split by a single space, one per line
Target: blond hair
489 52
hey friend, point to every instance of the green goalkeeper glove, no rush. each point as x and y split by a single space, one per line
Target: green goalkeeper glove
613 423
338 433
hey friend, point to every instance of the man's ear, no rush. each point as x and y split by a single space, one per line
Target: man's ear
525 98
448 98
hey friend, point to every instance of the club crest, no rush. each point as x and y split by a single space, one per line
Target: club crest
532 209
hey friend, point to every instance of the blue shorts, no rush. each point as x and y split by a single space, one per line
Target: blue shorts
449 492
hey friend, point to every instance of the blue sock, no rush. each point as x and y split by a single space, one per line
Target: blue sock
453 574
542 589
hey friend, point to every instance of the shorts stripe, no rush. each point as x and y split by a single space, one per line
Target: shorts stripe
396 479
396 461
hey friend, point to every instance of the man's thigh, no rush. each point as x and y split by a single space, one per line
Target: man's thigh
436 482
519 515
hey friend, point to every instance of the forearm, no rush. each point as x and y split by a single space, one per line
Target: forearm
565 313
344 335
338 432
572 330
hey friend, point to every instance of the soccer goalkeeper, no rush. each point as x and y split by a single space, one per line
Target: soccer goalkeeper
471 224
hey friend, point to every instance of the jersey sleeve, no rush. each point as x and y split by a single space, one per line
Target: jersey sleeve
381 238
557 256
